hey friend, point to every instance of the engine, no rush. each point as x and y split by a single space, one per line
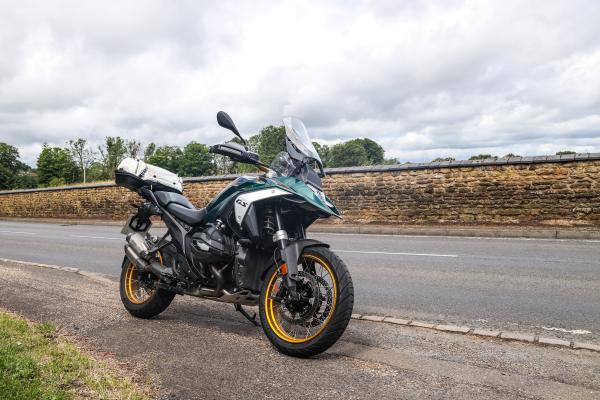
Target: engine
212 246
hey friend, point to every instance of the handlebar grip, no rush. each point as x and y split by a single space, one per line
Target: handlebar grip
216 149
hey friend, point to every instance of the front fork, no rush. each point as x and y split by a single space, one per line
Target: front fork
289 255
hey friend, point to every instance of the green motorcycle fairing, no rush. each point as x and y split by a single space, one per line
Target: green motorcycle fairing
245 184
300 188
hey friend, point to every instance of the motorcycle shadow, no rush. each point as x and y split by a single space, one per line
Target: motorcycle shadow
209 314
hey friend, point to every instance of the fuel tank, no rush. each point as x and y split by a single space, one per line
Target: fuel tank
239 185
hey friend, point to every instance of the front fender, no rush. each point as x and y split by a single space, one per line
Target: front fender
294 250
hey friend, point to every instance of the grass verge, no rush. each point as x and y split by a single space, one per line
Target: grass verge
36 363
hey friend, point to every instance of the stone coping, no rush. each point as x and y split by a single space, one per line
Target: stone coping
371 168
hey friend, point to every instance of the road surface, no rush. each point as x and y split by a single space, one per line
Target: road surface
205 350
548 287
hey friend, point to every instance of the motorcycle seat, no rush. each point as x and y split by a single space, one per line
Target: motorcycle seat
180 207
191 216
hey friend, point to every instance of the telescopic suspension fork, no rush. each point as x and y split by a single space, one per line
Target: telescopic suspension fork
289 256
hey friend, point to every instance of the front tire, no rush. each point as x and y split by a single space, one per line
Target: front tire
305 329
138 294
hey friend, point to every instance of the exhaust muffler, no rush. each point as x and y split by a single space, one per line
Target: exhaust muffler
136 251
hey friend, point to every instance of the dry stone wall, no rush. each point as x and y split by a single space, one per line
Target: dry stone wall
550 190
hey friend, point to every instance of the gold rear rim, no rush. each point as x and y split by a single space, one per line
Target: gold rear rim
137 289
290 326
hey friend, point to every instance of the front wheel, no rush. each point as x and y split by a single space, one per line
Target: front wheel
312 324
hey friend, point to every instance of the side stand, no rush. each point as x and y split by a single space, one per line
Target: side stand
252 318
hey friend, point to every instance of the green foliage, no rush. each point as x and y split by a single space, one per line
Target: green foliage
167 157
96 172
149 152
482 157
82 155
374 150
391 161
56 162
25 180
270 142
348 154
37 364
564 152
509 155
195 161
10 166
54 181
111 154
440 159
134 148
324 152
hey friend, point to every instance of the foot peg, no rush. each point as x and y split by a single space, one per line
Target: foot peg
252 318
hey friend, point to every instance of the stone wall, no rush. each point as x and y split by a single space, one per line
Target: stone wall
549 190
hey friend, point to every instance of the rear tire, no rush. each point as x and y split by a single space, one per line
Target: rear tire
333 315
141 307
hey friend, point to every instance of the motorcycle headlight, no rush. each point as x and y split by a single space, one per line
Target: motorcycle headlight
319 193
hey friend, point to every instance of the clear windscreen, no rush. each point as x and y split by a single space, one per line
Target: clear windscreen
283 164
298 135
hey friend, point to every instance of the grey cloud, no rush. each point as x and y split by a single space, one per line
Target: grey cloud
424 78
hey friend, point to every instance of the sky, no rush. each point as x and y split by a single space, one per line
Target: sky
425 79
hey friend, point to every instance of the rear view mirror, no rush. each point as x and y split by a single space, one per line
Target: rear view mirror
224 120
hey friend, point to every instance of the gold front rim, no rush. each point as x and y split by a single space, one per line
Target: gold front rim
278 315
134 290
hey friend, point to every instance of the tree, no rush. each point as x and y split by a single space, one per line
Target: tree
564 152
509 155
482 157
323 151
10 166
374 151
56 163
167 157
134 148
348 154
269 142
195 161
440 159
84 157
96 172
112 154
149 152
25 180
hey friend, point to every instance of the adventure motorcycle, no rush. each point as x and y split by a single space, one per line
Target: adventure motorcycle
247 247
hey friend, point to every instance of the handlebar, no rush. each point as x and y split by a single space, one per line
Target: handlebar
238 153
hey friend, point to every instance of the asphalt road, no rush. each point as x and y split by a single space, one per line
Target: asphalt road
205 350
549 287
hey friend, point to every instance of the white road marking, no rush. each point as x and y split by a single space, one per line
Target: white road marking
96 237
397 253
19 232
573 331
453 237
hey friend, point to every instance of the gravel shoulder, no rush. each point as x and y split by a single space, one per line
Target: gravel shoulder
201 349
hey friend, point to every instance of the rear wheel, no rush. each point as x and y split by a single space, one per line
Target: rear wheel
309 326
139 293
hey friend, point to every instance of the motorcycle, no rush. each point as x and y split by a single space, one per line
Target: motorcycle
247 247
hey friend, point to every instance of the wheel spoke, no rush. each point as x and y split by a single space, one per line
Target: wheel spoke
301 320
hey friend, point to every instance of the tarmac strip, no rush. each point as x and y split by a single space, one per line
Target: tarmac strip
203 349
501 335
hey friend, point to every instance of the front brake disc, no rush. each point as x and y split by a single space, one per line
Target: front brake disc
299 314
